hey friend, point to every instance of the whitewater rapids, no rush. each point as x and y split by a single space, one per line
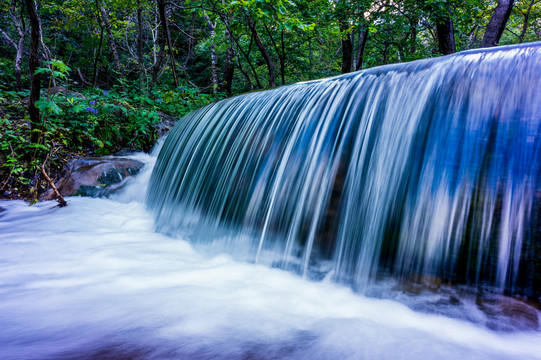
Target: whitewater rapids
95 281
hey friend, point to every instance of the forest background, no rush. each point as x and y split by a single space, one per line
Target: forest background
93 77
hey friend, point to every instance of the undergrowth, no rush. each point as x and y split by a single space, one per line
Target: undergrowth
90 122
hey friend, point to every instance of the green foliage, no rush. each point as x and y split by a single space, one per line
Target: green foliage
303 38
93 121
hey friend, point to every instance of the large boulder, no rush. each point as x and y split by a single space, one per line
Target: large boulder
95 176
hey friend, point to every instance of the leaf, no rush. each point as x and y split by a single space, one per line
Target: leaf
42 71
48 107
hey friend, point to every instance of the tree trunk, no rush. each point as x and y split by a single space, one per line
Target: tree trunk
310 57
167 37
361 45
156 67
525 24
413 35
84 83
213 56
281 53
17 67
45 49
35 79
229 66
446 35
247 57
20 46
140 59
98 52
283 58
497 22
225 21
112 42
347 48
264 53
96 58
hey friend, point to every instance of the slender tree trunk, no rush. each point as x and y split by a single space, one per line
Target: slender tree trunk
112 42
247 57
96 59
20 46
264 52
17 66
446 35
156 67
229 66
154 34
347 48
35 79
140 59
413 34
45 49
166 35
310 57
84 83
361 45
283 58
225 21
525 24
191 41
497 23
213 56
98 52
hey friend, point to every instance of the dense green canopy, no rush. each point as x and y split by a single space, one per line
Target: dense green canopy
297 40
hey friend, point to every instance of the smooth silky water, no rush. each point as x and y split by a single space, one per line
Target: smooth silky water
278 212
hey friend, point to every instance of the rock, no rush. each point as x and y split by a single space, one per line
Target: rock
99 176
166 123
507 313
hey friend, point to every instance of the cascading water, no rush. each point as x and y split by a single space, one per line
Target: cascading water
429 169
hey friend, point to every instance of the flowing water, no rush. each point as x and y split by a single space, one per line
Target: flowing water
95 281
424 170
415 183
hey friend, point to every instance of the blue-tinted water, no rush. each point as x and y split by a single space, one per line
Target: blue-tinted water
425 171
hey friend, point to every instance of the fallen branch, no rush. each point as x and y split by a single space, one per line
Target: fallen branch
59 198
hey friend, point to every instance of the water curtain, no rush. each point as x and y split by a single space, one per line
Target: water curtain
423 170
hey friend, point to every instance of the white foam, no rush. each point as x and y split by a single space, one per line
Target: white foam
94 280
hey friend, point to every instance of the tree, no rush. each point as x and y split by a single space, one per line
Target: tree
213 56
165 45
18 23
440 12
111 38
35 78
263 50
497 22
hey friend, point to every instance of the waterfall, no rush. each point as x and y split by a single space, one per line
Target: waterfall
423 171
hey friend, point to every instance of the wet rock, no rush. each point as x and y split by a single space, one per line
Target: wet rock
167 122
418 286
96 177
507 313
